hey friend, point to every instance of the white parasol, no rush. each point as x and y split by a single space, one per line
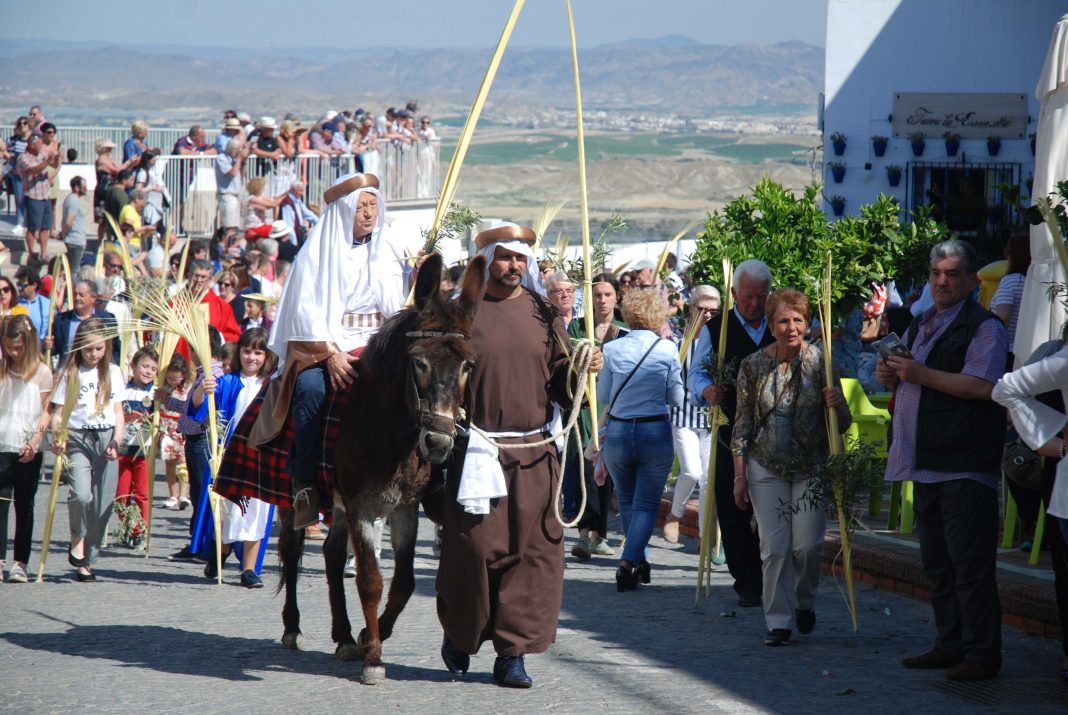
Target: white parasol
1045 317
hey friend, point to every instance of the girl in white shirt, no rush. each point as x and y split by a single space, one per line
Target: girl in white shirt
95 428
25 382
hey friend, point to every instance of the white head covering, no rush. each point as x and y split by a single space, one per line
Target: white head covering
318 287
530 278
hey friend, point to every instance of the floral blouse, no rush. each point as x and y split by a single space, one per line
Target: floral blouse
780 419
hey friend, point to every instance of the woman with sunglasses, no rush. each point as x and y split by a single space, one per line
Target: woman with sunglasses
9 299
16 145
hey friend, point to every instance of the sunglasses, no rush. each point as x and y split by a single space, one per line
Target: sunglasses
226 285
114 265
5 289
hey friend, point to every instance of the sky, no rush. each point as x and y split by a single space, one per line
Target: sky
342 24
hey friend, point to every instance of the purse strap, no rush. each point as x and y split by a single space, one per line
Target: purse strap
608 410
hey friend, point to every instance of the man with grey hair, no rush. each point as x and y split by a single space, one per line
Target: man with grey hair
298 217
228 182
561 293
65 324
747 332
948 440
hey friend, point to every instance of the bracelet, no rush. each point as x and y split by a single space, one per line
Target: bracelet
739 476
1062 449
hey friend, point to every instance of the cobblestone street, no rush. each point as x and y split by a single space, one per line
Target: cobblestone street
154 635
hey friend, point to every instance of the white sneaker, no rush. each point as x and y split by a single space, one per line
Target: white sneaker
170 503
350 567
184 503
19 230
17 574
601 548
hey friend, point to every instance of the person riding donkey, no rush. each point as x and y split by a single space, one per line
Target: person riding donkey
346 281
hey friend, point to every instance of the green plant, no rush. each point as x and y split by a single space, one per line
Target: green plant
838 200
838 137
836 165
951 137
877 139
893 170
600 252
458 218
917 137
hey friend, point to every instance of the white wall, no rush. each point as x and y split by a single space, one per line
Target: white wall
878 47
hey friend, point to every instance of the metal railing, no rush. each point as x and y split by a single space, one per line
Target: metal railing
406 173
84 139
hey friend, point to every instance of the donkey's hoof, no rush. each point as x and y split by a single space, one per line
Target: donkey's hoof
374 674
348 651
293 641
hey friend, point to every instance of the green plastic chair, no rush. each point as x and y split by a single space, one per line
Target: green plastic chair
870 425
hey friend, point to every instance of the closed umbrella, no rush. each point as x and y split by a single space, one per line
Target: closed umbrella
1041 318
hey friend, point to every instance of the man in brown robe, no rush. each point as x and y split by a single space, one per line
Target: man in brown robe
501 573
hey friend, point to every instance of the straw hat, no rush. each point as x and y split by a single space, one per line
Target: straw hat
102 144
279 229
267 123
232 123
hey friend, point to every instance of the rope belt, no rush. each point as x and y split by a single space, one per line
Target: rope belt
362 320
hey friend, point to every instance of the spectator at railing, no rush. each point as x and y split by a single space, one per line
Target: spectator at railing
106 173
264 145
288 136
135 146
231 128
37 118
325 140
298 218
228 182
194 143
246 123
426 132
259 209
149 178
16 145
72 230
115 199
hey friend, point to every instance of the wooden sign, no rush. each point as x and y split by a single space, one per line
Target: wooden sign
971 115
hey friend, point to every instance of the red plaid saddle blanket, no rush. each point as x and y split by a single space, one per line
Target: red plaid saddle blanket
261 473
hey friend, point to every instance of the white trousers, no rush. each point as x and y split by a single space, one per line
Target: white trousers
692 446
791 544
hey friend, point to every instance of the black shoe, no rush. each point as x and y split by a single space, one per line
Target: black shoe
249 579
748 600
644 572
84 577
75 562
806 620
626 579
455 659
211 569
508 671
305 508
777 636
185 554
933 659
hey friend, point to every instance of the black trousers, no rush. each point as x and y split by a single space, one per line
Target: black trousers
1058 549
18 479
741 543
957 522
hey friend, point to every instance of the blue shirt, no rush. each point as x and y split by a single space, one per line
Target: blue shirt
38 310
654 387
131 148
696 377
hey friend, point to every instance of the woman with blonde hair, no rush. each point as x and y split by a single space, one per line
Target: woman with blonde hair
780 435
641 379
259 209
25 382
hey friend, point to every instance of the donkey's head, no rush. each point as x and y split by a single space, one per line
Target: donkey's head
440 355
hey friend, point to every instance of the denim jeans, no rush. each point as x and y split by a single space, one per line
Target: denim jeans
639 456
309 398
20 207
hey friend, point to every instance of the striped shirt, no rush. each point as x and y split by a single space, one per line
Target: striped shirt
1010 292
985 359
35 186
689 414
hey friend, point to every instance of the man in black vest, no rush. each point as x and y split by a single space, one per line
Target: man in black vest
747 332
948 440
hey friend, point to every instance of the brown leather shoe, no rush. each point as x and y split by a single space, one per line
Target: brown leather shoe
305 508
933 659
671 530
968 670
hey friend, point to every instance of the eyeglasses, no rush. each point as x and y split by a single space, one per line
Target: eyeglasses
563 291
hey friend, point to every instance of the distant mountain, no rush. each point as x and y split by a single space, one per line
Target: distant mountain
673 73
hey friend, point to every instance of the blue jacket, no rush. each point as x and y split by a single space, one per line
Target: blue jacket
63 335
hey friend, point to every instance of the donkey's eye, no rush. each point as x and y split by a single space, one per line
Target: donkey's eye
421 365
468 367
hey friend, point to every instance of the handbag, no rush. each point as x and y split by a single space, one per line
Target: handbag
1022 465
591 453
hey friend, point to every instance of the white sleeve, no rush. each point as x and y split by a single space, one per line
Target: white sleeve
1035 422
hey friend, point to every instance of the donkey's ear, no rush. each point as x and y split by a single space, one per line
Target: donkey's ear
474 285
428 282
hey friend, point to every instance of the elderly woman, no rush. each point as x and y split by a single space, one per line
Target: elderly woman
693 441
593 526
779 435
641 379
106 171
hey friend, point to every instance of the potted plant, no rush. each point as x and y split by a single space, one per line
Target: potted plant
838 141
918 142
952 143
838 204
838 170
879 143
993 145
1032 138
893 174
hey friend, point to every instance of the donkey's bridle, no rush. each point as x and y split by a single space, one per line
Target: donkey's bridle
425 419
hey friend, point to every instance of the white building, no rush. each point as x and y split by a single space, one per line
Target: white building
967 67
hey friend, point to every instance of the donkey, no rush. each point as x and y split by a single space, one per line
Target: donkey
401 419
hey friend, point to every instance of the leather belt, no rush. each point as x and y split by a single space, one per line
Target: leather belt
648 418
362 320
